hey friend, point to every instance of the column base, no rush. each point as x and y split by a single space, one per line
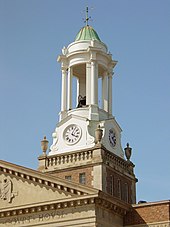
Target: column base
62 115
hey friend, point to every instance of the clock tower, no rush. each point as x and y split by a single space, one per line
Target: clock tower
86 179
88 61
86 146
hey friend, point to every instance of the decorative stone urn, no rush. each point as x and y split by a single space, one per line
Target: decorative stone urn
98 134
44 145
128 152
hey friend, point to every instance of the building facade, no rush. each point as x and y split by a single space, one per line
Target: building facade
86 179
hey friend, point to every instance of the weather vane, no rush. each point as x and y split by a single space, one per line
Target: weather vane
87 16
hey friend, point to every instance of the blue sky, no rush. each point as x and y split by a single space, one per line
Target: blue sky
137 34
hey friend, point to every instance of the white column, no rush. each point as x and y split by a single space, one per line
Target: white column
69 99
78 90
82 86
105 92
64 90
88 83
94 83
110 92
96 88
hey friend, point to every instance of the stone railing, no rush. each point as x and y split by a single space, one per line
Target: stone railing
95 155
62 159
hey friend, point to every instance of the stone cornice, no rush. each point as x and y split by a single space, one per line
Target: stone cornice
46 206
46 180
109 157
58 204
145 204
116 204
98 199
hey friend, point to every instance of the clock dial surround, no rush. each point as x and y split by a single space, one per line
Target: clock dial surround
72 134
112 138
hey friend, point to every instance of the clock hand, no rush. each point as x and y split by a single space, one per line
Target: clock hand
73 132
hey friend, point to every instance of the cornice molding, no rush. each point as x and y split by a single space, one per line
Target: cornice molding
47 206
98 199
44 179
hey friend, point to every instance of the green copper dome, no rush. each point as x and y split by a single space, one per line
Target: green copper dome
87 33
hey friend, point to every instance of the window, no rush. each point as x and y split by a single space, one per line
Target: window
111 185
82 178
126 193
119 189
68 178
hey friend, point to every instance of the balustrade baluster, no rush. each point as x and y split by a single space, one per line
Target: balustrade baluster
90 154
74 157
69 158
85 155
62 160
49 161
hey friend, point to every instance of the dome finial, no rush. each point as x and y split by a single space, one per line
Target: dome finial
87 16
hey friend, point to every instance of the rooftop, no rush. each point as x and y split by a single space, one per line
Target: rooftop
87 33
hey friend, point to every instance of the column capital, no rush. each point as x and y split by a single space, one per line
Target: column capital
69 68
63 68
110 74
88 62
93 61
105 73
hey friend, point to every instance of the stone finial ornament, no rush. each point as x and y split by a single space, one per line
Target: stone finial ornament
98 134
64 50
128 152
44 145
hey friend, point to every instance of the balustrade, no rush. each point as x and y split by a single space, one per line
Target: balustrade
69 158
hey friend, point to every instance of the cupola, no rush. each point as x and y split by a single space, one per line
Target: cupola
87 60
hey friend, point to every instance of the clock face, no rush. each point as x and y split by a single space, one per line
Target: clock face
72 134
112 138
